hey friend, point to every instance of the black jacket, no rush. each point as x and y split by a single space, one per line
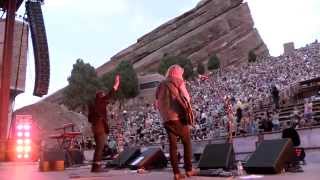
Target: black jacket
293 134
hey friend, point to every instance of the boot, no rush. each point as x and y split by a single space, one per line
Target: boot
192 172
178 176
96 168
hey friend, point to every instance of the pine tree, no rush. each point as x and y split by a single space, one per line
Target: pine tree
83 84
214 62
252 57
185 63
200 68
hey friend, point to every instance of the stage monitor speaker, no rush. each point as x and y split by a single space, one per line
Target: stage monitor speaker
152 158
197 152
270 157
40 48
52 155
217 156
74 156
125 157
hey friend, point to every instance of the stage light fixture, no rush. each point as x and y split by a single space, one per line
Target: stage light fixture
23 146
19 149
27 148
20 127
27 134
19 141
27 141
19 134
27 127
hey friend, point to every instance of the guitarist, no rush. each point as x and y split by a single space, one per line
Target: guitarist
173 102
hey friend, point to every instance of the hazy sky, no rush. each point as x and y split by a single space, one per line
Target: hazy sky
97 30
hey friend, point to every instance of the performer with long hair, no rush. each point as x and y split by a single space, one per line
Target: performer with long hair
173 102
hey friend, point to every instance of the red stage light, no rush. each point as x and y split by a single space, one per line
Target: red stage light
27 134
19 141
27 148
20 127
24 143
19 134
26 156
19 156
19 148
27 127
27 141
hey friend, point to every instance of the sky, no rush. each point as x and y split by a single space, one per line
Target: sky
98 30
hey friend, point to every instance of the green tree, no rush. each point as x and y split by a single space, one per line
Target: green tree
83 84
252 57
200 68
167 61
129 85
214 62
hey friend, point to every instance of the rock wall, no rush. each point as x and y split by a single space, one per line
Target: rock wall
222 27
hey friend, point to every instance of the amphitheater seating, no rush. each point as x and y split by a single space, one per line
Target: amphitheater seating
287 111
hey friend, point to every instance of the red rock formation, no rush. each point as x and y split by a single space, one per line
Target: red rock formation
223 27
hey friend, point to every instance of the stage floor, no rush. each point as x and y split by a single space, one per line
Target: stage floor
29 171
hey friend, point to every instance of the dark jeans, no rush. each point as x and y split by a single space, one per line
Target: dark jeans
100 139
177 129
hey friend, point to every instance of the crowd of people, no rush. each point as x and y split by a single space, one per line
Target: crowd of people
249 86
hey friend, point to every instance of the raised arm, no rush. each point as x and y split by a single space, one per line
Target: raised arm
115 87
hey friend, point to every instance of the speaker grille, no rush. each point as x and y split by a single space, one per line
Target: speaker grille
217 156
40 48
149 159
125 157
270 157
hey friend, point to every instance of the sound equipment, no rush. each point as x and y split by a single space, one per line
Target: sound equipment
197 152
74 156
196 157
40 48
52 155
152 158
217 156
3 4
300 154
125 157
270 157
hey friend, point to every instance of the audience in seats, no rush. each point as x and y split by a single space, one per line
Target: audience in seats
259 87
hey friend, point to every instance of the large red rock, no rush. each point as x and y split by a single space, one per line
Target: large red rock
223 27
